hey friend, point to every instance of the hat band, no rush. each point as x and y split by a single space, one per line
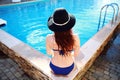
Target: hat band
62 23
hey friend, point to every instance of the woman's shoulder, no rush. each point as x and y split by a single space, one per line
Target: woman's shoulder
49 35
76 36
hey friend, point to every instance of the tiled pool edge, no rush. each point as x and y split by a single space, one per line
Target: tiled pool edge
37 65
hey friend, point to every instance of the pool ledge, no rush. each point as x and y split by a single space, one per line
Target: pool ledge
36 64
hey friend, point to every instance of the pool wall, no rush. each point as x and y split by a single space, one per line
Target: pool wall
36 65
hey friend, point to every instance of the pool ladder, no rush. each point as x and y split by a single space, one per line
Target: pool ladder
114 17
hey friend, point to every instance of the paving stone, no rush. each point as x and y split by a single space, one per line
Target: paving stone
12 77
112 71
106 69
100 78
1 60
9 74
92 78
115 78
100 70
92 70
6 70
1 71
106 72
84 78
86 75
11 61
17 79
107 77
4 78
17 74
100 74
2 68
21 72
118 77
13 70
94 75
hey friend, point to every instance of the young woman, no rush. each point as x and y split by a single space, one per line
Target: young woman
63 45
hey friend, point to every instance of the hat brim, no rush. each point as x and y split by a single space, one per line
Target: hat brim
57 28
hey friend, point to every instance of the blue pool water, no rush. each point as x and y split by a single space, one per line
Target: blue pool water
28 21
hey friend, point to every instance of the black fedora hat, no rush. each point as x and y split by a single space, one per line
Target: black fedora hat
61 21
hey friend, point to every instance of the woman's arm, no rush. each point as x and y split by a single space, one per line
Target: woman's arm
77 45
48 45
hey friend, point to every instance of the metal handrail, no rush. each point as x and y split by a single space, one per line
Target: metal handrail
114 17
117 9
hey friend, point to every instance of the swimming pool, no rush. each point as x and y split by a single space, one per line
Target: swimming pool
28 21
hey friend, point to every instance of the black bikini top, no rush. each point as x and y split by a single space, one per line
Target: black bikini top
61 51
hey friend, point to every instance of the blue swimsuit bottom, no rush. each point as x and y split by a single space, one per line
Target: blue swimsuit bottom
61 71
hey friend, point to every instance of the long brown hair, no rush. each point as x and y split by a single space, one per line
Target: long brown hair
64 40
